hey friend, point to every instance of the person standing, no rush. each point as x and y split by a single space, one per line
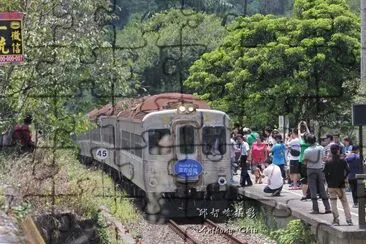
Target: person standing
313 158
250 136
294 155
234 150
244 176
279 154
339 143
303 169
336 171
22 135
258 153
347 145
355 165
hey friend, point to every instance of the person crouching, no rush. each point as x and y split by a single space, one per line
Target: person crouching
275 180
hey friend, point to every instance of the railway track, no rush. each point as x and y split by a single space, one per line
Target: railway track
189 238
180 231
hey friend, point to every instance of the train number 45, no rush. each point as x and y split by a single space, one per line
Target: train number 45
102 153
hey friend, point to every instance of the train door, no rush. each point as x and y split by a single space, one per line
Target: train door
188 167
186 136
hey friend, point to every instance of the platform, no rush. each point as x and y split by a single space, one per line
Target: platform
289 204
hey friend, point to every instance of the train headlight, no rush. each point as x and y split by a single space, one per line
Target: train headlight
182 109
222 181
186 108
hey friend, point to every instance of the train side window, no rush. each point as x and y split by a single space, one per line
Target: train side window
138 146
186 139
96 134
126 140
214 140
160 142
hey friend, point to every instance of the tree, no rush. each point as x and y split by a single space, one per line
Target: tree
270 66
165 46
70 66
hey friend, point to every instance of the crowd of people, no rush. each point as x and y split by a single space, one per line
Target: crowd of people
325 170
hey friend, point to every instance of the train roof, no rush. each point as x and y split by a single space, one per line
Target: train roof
136 109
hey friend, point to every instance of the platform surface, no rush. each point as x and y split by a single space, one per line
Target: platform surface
289 200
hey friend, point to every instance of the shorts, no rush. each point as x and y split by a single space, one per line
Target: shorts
303 174
255 166
294 167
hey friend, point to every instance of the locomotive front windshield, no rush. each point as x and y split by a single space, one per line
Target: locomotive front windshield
186 139
214 140
160 142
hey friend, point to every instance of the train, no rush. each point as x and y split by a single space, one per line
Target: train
169 145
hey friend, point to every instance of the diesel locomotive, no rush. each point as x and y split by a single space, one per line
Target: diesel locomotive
170 146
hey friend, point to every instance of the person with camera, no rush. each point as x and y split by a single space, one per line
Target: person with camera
294 154
278 152
313 158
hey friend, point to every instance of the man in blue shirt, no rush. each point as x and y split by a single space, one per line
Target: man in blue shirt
278 154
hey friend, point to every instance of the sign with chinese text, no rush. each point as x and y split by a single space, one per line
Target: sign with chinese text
188 168
11 39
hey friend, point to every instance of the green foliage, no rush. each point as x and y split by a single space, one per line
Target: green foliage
295 233
159 61
87 186
68 55
22 210
267 63
104 232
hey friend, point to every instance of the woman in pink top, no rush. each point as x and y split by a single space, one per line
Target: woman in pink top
258 153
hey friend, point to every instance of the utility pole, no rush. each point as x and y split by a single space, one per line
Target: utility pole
363 62
245 8
363 40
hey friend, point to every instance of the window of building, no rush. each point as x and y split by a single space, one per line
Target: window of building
214 140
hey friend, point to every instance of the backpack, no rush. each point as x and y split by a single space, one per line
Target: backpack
294 152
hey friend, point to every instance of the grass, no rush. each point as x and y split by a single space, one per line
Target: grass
296 232
50 181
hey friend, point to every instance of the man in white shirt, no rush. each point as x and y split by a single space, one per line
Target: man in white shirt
294 155
275 180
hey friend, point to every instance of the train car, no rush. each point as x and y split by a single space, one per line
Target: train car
169 145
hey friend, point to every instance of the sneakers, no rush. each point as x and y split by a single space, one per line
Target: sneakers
335 222
349 222
276 193
355 205
327 212
305 198
295 188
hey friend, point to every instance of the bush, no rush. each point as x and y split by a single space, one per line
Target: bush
58 181
296 232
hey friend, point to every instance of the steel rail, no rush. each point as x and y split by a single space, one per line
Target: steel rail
182 233
232 239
